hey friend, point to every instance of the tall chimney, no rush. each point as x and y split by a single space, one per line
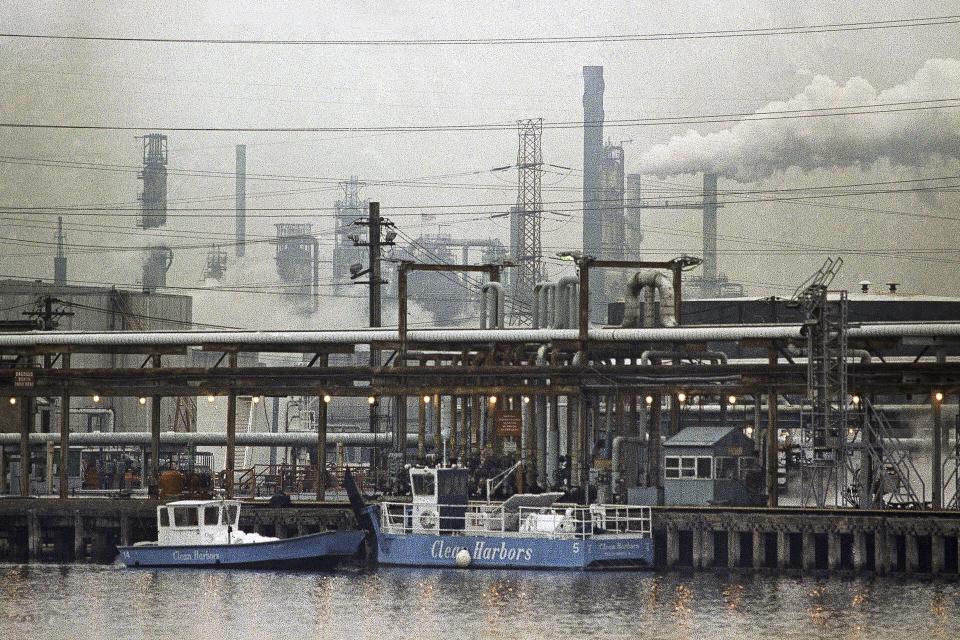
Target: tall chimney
710 230
592 163
241 177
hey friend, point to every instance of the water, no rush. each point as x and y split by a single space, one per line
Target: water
87 601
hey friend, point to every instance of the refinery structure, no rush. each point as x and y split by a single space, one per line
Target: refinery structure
599 370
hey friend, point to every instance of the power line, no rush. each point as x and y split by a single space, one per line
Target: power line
870 25
719 118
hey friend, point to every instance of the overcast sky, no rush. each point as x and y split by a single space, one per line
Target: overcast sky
227 85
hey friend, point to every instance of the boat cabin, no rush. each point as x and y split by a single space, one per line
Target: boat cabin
192 522
440 498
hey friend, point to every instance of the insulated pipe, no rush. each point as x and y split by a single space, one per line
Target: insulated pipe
210 439
646 282
498 314
714 357
265 339
615 462
95 412
566 305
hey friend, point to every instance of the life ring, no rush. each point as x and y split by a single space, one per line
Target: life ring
428 519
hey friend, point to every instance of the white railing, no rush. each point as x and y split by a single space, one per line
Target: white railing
490 519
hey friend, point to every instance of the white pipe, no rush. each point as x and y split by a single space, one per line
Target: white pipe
96 412
210 439
646 282
265 339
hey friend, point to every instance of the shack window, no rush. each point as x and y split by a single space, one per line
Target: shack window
671 467
210 515
185 516
164 517
423 485
704 467
688 467
231 514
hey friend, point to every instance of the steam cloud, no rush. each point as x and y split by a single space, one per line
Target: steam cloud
752 150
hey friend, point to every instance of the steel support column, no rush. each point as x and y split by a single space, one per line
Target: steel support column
65 434
231 430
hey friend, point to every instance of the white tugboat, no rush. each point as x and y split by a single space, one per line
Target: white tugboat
205 533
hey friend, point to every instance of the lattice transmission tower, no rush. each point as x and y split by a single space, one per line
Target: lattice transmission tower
528 252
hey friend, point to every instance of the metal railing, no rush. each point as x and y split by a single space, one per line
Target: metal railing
485 519
261 480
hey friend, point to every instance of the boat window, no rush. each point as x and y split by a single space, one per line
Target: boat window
164 517
704 466
185 516
210 515
423 485
454 484
231 514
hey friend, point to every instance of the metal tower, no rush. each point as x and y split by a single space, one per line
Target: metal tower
345 251
216 263
60 262
528 253
153 199
824 437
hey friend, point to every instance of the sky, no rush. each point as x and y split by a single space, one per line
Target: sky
769 244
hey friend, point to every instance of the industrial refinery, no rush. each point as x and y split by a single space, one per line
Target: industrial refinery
624 310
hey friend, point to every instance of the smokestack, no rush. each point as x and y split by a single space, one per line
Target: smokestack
634 231
60 261
592 163
241 177
710 229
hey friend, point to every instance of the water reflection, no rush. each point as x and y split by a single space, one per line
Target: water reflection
90 602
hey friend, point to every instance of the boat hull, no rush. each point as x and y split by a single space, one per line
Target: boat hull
314 551
422 550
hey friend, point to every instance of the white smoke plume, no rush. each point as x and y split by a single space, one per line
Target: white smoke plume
754 149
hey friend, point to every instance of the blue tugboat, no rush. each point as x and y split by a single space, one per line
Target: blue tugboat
440 527
204 533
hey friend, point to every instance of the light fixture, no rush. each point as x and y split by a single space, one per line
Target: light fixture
211 398
255 399
649 400
96 398
371 400
681 397
426 399
526 399
493 399
855 399
732 399
143 400
13 400
327 399
938 396
748 431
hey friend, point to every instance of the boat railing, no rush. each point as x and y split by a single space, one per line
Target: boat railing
559 521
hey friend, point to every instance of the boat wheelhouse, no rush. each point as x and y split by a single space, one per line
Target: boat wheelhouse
440 527
206 533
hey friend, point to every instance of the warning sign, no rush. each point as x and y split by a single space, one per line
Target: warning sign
509 424
23 379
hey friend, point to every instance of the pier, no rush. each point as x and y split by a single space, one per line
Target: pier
794 540
90 529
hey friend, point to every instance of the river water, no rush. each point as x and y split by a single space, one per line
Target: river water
90 601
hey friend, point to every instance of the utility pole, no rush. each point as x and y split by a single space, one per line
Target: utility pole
374 242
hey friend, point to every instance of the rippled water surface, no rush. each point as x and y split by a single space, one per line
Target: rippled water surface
83 601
